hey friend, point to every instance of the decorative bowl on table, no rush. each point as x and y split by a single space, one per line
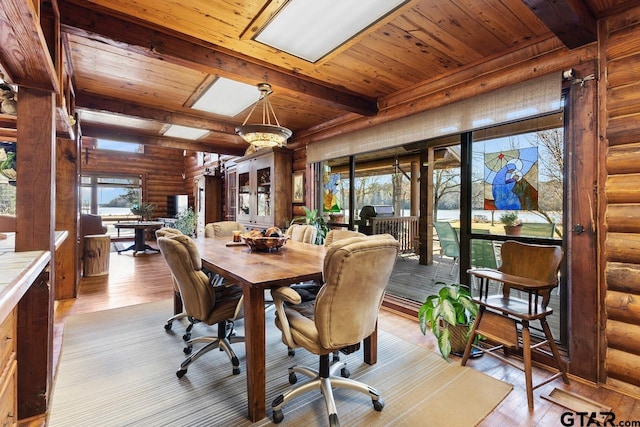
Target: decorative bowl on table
264 244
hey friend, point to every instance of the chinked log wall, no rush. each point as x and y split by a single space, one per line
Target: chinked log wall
620 60
160 167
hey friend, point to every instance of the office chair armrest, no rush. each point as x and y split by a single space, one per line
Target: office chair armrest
286 294
280 296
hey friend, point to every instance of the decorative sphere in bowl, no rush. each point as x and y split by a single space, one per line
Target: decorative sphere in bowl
264 244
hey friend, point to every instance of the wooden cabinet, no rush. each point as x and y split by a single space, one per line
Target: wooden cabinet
264 188
8 364
208 202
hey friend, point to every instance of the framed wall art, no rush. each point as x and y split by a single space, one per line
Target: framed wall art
297 187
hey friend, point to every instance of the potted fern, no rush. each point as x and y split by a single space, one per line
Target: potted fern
449 315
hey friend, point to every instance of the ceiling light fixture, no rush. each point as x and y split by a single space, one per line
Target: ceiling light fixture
265 134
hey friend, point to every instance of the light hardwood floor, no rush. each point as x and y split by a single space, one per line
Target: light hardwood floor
145 278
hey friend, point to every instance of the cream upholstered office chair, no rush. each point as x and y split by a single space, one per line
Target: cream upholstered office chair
203 302
304 233
309 290
505 321
335 235
356 272
167 232
222 228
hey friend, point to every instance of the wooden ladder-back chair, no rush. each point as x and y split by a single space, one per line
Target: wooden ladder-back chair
532 269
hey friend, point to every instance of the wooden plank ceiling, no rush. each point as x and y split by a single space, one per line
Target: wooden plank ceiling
137 64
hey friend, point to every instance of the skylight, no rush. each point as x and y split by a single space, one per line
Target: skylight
310 29
185 132
227 97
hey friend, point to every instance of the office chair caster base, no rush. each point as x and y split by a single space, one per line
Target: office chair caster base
378 404
293 378
168 326
278 416
236 371
333 420
291 352
186 337
181 373
345 373
187 349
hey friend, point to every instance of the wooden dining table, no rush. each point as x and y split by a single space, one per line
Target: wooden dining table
295 262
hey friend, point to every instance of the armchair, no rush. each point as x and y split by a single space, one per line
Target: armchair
356 272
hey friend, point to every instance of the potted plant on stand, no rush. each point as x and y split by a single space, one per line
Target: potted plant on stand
449 315
144 210
512 224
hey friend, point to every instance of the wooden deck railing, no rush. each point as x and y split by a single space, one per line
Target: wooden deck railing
403 228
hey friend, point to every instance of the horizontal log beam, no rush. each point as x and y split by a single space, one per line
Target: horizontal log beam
24 54
204 57
623 277
127 135
623 307
623 188
127 108
570 20
622 247
623 366
623 336
622 159
623 218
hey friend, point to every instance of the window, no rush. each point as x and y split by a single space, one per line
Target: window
110 196
476 178
125 147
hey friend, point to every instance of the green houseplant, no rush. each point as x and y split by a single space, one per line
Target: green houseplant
144 210
311 217
449 314
186 221
512 223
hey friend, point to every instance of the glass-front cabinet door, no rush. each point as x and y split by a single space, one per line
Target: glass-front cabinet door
264 176
244 205
264 189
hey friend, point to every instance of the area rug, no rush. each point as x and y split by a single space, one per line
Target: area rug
118 366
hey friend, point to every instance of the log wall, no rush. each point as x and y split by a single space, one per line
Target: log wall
161 169
620 232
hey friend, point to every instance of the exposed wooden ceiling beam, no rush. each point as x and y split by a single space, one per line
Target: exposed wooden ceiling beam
570 20
118 134
124 107
24 52
204 57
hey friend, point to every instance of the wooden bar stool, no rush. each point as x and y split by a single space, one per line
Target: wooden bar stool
532 269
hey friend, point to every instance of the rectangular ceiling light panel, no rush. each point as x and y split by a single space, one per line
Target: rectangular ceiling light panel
310 29
184 132
227 97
